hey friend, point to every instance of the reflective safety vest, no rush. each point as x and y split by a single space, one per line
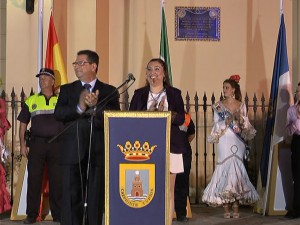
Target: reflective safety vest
185 125
37 104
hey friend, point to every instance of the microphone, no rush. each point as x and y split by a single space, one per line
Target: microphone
104 101
130 77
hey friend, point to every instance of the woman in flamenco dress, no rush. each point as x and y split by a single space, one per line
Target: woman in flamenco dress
230 185
4 126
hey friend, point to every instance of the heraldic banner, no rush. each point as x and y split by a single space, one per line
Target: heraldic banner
137 167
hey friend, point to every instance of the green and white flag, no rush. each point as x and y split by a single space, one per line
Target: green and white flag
164 46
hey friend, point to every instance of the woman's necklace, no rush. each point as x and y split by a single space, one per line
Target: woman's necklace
155 99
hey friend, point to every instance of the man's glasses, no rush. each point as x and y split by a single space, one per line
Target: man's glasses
80 63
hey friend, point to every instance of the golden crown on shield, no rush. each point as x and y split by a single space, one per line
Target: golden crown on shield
136 152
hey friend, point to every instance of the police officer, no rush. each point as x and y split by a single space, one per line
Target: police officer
39 109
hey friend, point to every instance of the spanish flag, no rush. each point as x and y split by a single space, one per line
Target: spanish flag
54 58
55 62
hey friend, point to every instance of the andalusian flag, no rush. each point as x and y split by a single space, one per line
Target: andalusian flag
279 103
164 46
54 58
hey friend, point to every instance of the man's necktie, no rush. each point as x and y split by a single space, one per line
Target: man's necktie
87 87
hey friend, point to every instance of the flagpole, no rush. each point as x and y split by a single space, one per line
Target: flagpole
268 177
162 4
40 36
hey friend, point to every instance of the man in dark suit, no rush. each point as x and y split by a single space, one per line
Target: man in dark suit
82 153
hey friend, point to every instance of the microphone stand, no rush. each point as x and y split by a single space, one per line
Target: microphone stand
85 205
92 110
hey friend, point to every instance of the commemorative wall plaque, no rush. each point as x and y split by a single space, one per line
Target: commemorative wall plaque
197 23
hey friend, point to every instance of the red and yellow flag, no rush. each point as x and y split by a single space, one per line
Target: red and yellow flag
54 58
55 62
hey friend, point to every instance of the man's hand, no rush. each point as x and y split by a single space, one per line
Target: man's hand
82 97
24 150
91 99
87 99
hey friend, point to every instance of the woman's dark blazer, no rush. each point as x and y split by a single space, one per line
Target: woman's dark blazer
175 105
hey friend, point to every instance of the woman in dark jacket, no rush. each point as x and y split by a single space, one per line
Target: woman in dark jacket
159 95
